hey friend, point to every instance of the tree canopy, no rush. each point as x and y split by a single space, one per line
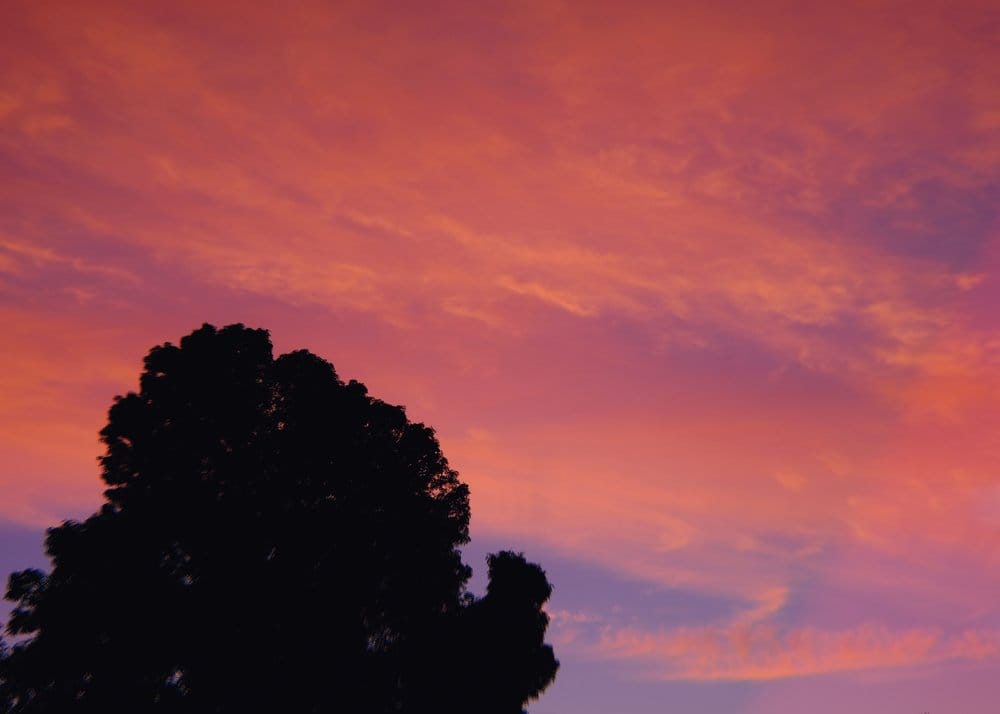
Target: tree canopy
272 539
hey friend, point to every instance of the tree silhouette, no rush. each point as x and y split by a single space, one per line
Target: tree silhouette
273 539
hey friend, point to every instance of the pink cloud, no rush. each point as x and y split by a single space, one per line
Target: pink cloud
757 652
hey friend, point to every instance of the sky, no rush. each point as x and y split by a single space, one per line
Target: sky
700 297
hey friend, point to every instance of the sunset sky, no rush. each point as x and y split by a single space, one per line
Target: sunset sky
701 298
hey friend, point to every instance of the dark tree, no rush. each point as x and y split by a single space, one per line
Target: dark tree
273 539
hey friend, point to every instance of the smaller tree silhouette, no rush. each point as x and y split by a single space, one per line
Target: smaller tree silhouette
273 539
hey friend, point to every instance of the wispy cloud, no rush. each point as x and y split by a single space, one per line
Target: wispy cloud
749 652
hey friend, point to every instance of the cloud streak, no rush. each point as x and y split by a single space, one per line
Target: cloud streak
763 653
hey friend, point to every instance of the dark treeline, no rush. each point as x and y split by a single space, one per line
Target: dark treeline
272 539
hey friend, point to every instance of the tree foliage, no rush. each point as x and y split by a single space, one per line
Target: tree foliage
272 539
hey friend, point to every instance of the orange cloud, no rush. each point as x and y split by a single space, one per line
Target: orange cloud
761 652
